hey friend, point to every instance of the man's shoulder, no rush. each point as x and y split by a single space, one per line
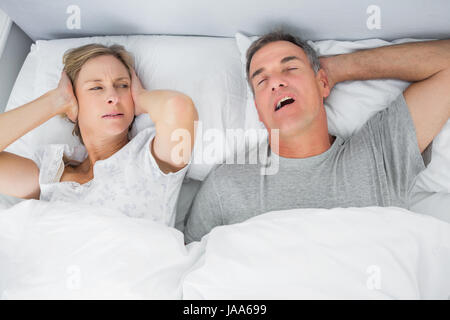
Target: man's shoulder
393 118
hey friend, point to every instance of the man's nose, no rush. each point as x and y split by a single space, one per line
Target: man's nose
278 83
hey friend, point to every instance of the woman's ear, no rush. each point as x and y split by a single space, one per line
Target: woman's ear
72 114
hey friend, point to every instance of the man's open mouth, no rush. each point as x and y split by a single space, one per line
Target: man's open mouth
284 102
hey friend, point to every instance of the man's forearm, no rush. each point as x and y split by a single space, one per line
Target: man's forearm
410 62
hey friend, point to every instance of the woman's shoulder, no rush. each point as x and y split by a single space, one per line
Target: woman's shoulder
142 139
56 152
144 134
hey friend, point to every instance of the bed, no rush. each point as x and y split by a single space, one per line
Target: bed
51 250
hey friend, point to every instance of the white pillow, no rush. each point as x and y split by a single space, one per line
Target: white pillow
341 253
205 68
352 103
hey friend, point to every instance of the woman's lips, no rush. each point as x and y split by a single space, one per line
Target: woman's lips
113 116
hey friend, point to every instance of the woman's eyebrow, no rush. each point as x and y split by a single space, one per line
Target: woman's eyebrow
98 80
95 80
122 78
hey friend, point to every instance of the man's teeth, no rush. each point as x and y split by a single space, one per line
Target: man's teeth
283 100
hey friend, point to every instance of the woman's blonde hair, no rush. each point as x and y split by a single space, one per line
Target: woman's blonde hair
75 58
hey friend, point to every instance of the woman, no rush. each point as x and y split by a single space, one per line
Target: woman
100 92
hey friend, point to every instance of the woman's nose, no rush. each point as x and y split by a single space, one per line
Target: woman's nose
113 99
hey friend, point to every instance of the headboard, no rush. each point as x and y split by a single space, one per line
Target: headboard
315 20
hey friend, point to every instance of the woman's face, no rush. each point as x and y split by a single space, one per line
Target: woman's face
105 104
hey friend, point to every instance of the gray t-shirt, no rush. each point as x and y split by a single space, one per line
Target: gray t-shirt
377 166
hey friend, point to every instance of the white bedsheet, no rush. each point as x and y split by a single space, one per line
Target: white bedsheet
70 251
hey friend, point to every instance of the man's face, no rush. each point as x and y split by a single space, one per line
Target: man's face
288 94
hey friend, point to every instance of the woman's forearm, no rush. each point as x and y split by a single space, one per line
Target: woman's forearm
169 110
16 123
409 61
155 102
174 115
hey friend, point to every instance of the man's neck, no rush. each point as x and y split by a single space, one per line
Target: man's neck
302 146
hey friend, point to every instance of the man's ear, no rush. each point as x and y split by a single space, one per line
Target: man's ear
324 85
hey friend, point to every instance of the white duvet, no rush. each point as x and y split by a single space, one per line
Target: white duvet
69 251
353 253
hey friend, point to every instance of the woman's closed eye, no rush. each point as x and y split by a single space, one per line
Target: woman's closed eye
122 86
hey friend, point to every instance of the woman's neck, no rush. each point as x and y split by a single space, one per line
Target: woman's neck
101 149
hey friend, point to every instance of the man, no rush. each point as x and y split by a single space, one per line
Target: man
377 166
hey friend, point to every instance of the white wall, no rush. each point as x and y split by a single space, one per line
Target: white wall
5 27
16 45
314 20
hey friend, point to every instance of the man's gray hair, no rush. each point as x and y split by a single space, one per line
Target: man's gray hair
281 36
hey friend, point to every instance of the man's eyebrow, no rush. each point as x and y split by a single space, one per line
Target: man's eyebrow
284 60
257 72
287 59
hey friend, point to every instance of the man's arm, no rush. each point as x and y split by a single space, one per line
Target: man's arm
427 64
205 212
